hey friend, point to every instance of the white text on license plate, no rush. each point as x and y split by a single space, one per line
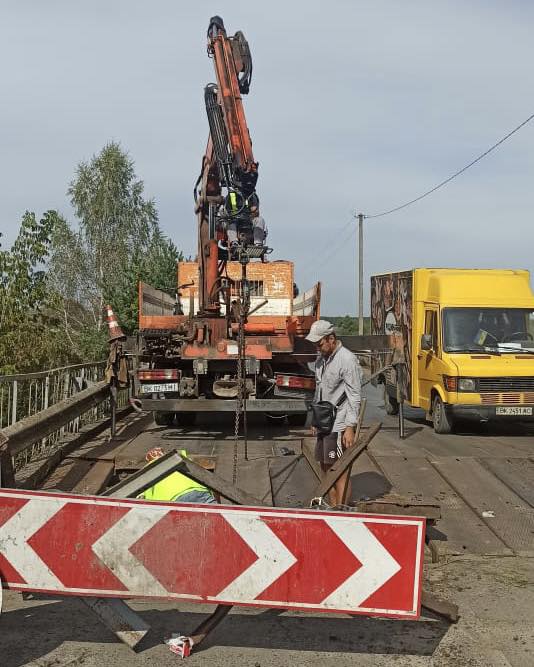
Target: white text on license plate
159 387
512 410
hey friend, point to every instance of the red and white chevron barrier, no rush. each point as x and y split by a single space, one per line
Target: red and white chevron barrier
94 546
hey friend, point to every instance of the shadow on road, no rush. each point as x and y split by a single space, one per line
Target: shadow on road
66 620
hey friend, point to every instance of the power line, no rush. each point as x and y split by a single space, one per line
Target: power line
333 250
330 245
448 180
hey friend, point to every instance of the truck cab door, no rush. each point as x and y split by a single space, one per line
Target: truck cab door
428 360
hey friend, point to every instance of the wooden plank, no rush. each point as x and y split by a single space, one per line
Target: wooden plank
512 520
292 481
394 504
459 530
518 474
252 476
96 479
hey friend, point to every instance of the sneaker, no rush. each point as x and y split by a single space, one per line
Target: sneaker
319 504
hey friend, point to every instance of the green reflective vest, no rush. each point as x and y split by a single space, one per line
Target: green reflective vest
173 486
233 202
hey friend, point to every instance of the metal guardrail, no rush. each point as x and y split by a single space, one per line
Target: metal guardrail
26 398
25 394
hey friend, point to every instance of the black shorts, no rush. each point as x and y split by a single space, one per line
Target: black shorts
328 448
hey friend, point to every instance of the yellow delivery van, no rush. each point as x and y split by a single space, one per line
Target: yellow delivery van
467 341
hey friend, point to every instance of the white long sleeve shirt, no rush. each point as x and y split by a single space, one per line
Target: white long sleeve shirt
337 374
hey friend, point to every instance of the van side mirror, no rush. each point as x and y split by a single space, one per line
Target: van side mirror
426 342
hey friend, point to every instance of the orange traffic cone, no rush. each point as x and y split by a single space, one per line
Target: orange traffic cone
115 332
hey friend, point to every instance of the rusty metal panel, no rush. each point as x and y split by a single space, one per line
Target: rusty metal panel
252 476
517 473
292 480
462 530
494 503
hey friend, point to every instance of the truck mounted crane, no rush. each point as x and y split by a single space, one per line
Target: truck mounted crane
233 334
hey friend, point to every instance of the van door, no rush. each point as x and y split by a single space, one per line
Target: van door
428 360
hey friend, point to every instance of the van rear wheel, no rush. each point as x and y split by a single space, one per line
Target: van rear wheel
442 421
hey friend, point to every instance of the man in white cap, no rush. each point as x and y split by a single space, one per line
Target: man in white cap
337 374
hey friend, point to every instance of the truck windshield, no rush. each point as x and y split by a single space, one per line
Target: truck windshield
471 329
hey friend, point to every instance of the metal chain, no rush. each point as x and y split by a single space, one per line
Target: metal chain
243 306
244 387
239 401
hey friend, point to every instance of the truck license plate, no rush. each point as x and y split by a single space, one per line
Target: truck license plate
159 387
513 411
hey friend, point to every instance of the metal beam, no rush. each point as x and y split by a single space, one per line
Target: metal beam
118 617
282 405
25 432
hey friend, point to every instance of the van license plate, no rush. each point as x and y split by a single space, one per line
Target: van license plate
158 388
513 411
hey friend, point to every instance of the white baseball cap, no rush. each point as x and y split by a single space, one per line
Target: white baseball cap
319 330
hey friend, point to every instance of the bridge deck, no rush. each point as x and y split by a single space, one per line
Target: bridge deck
482 476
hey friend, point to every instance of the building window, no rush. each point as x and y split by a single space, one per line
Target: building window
255 286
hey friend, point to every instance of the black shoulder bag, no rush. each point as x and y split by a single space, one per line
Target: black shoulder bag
324 414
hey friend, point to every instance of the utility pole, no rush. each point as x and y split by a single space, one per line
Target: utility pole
360 274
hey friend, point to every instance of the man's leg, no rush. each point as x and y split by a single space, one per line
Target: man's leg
340 489
344 480
325 467
326 454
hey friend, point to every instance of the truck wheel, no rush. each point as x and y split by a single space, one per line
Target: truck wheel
186 419
163 418
390 403
297 420
442 421
274 419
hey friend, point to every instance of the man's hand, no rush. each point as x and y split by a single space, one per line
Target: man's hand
347 439
313 431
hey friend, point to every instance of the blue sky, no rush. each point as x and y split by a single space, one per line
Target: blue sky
354 106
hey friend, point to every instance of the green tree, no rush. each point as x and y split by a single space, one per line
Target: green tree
348 326
118 243
116 222
28 339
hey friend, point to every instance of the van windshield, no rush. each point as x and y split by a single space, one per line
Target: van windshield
472 329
